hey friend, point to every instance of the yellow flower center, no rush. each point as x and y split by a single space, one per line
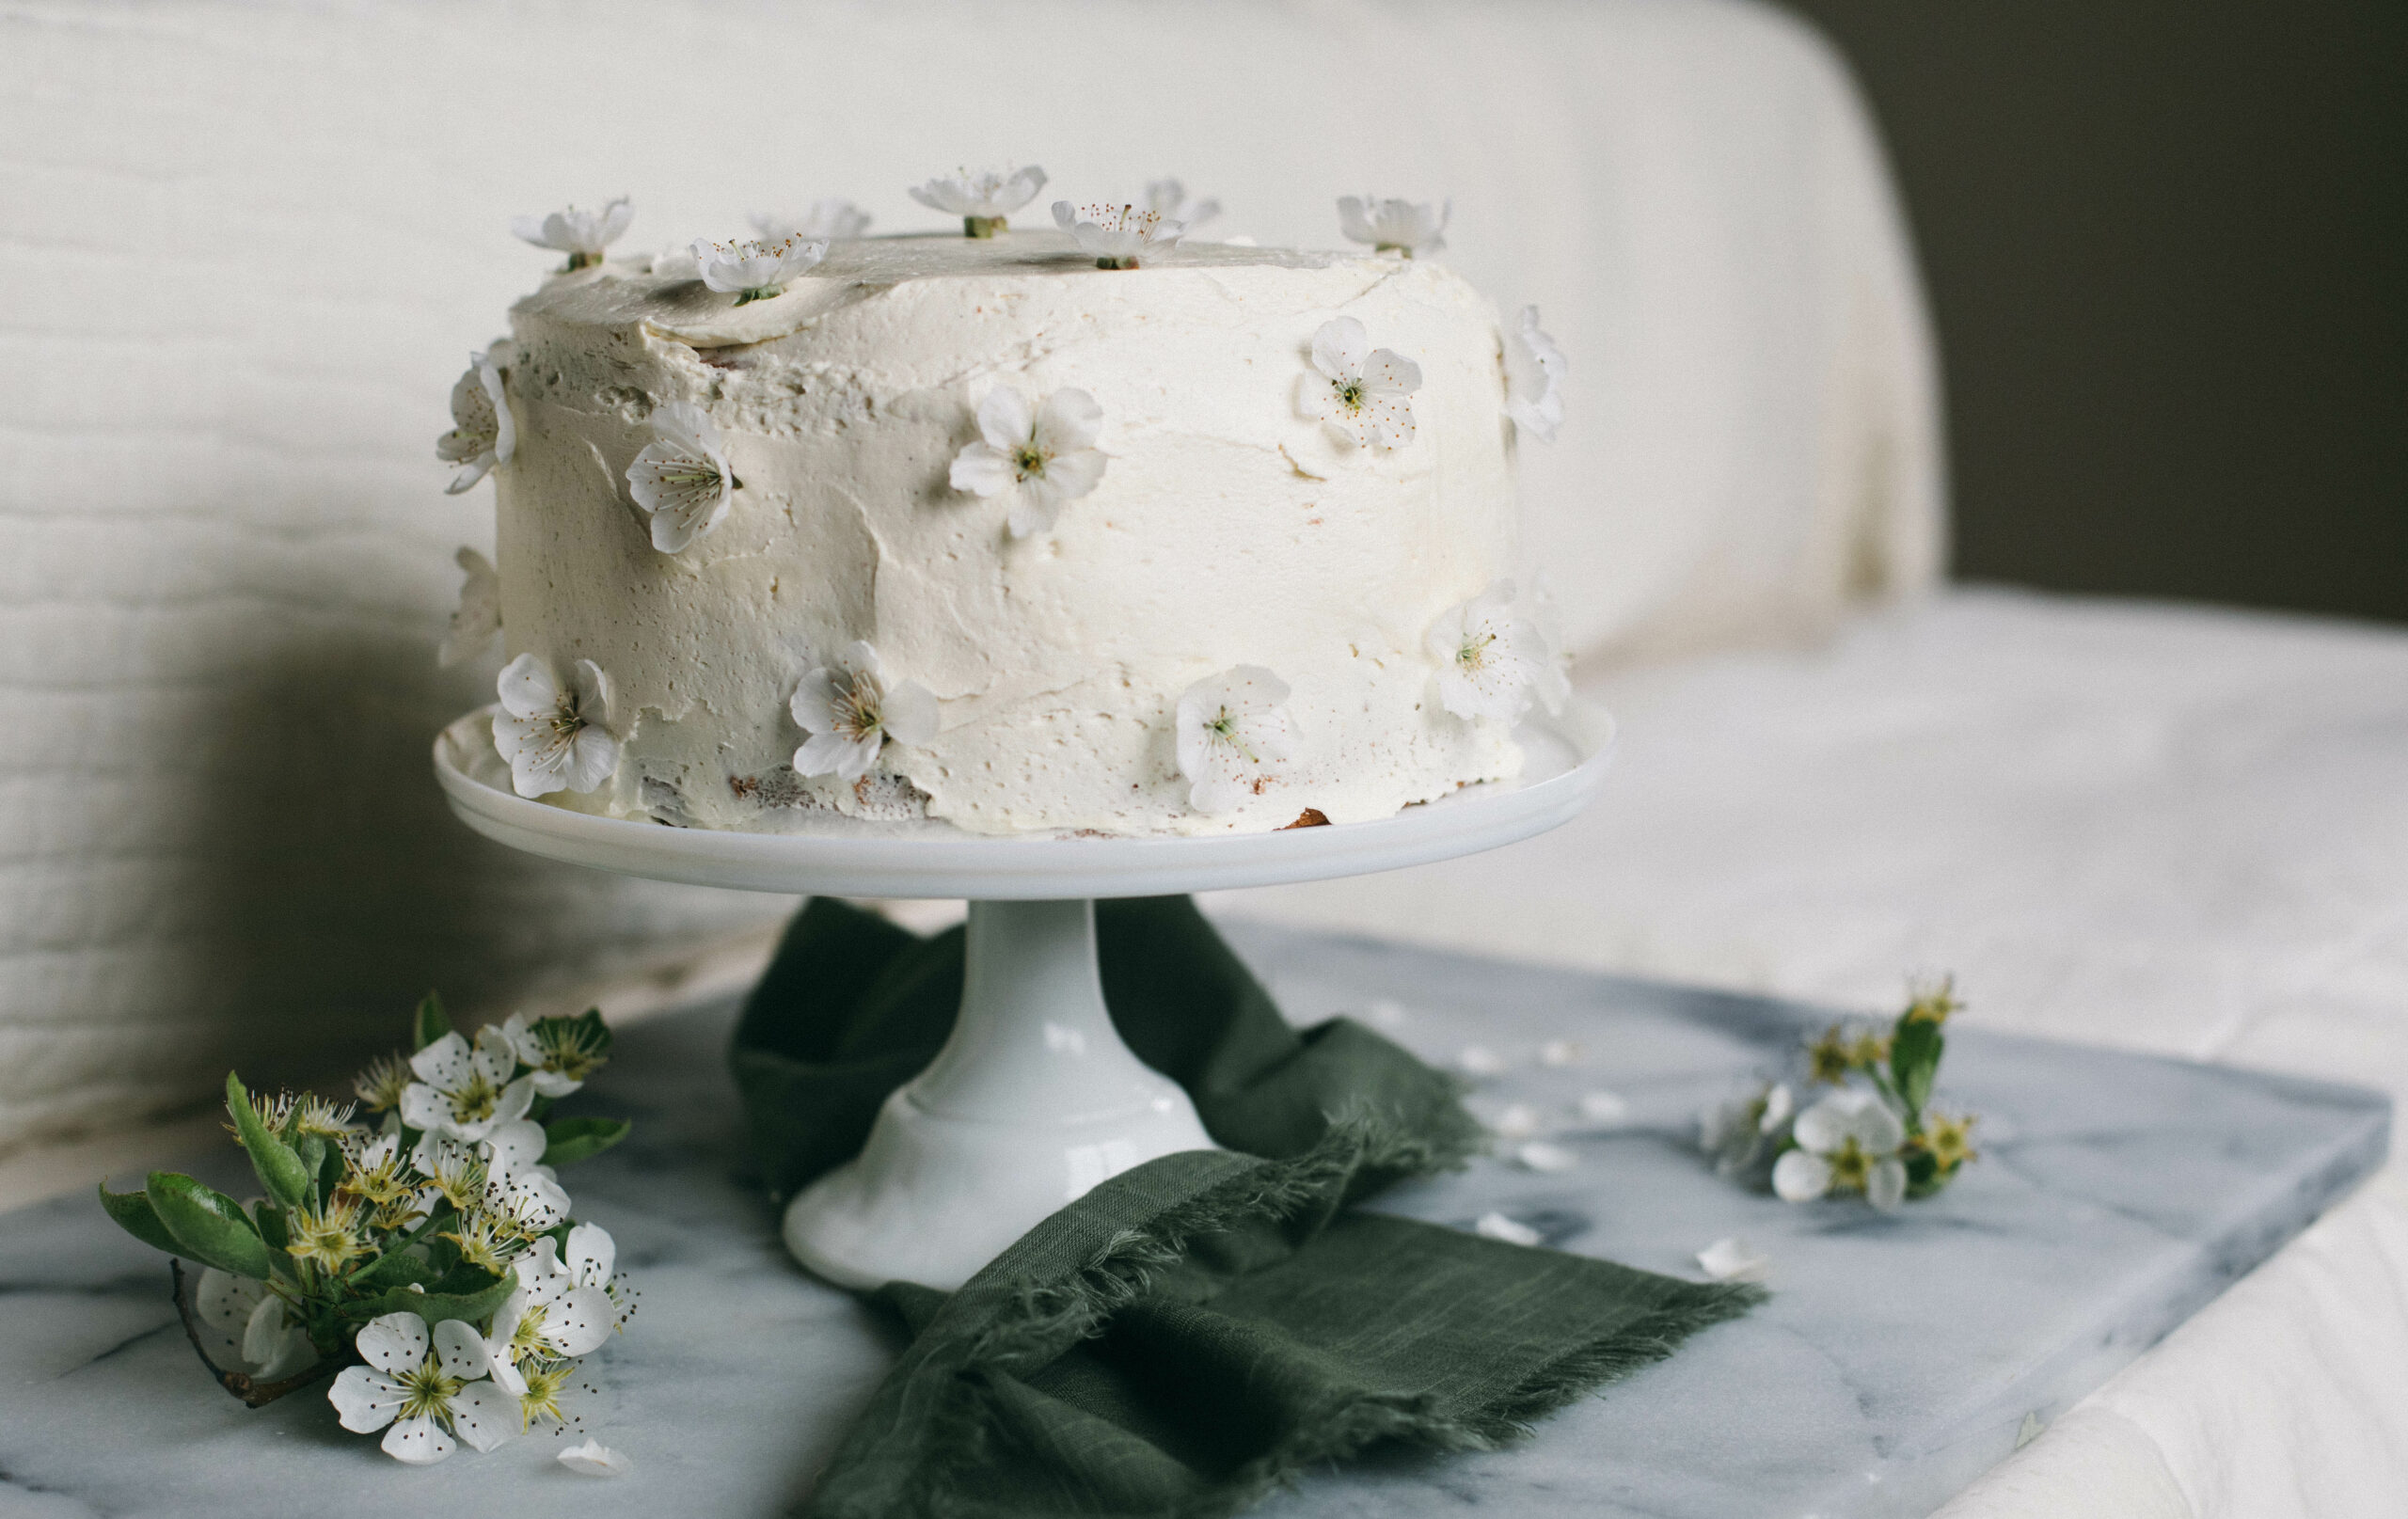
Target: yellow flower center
427 1391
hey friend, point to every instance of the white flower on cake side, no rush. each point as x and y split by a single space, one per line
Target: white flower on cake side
464 1092
1168 200
1234 732
1035 459
833 219
555 739
1491 659
1118 237
425 1386
477 617
756 271
1849 1142
984 200
850 710
1410 228
1359 393
1534 368
581 234
681 477
483 434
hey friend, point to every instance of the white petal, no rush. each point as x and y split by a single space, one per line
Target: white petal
1034 509
592 759
1389 372
528 687
1068 421
1066 215
1316 397
1340 347
1541 1156
1020 188
505 427
592 1254
1387 423
813 703
1800 1175
1886 1187
860 659
1512 1231
418 1442
1826 1126
460 1349
1878 1129
911 713
579 1321
395 1344
824 754
859 756
514 1101
552 1083
513 1147
1005 420
594 1459
983 470
367 1399
1734 1259
1070 476
226 1302
1353 222
263 1331
1604 1107
1779 1105
615 217
505 1373
486 1415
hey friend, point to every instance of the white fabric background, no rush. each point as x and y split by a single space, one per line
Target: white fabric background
247 248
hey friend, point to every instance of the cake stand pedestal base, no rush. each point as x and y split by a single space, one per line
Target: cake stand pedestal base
1032 1101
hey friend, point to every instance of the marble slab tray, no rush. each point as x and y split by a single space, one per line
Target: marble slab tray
1899 1358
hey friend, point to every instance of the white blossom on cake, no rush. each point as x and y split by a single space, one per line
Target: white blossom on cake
1233 733
1359 393
1407 227
833 219
1534 368
851 709
1118 237
581 234
555 737
681 477
753 270
1169 200
483 434
1035 458
983 200
1491 660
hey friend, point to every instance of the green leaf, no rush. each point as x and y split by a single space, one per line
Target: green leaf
132 1213
1914 1060
432 1022
577 1139
330 1171
280 1170
269 1220
469 1307
394 1268
461 1280
208 1226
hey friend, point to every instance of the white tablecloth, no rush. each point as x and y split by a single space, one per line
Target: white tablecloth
2173 830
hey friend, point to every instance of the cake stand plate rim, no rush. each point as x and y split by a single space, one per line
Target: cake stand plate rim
950 863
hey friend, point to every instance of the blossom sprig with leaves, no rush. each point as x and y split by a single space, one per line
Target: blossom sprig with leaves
429 1263
1875 1132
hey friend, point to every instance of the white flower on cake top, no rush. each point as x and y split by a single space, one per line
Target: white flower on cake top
1849 1142
483 434
756 271
1168 200
477 617
1534 368
1491 660
1118 237
1359 393
1035 459
555 737
833 220
681 477
1406 226
424 1386
1234 732
463 1091
581 234
982 201
849 710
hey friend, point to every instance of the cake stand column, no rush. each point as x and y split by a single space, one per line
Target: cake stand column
1031 1103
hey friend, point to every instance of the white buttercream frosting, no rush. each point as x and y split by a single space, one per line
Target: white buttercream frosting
1227 530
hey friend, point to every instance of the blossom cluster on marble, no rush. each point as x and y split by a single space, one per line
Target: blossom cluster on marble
885 725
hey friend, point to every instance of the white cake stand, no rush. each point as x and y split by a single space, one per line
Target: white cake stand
1033 1099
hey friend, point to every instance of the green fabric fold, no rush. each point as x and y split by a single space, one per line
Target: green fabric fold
1196 1330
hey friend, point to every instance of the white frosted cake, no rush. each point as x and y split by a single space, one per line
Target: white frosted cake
973 529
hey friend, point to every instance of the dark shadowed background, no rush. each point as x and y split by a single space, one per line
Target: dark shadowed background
2166 247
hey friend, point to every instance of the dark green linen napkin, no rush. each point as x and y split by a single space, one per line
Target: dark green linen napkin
1194 1331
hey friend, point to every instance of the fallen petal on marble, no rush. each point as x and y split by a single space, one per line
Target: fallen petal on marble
1497 1226
1541 1156
1519 1120
594 1459
1604 1107
1479 1060
1560 1053
1734 1259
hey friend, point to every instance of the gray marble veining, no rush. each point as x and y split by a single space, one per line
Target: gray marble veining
1899 1356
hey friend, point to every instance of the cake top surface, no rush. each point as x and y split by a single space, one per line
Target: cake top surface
680 305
